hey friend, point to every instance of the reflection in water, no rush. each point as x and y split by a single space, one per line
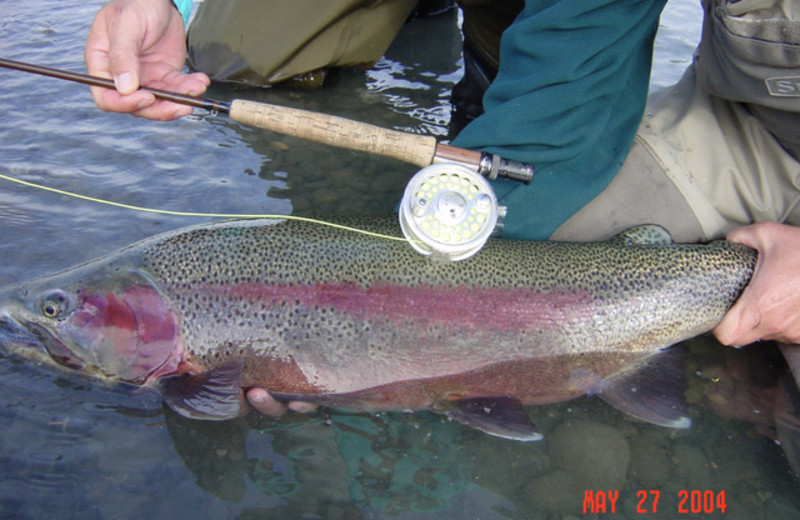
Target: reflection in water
401 92
342 465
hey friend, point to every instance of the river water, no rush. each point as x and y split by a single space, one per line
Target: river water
73 449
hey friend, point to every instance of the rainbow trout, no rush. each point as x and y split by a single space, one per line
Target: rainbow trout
331 316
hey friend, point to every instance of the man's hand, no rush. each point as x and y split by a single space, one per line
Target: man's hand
140 42
266 404
769 307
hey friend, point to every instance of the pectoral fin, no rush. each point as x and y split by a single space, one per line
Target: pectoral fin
215 395
499 416
653 392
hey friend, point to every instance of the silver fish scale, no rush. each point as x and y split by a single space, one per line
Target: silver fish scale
302 252
665 289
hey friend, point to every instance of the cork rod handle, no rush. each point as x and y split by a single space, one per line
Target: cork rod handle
336 131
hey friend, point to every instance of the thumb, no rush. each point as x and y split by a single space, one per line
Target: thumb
738 327
124 49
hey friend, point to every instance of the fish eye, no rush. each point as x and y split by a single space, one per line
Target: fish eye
55 303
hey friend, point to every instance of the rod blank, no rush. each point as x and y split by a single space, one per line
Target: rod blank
322 128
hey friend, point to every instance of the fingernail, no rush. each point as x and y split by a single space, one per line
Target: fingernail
125 83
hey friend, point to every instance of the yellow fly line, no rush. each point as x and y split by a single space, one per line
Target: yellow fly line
196 214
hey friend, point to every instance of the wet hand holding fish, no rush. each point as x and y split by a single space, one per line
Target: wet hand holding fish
329 316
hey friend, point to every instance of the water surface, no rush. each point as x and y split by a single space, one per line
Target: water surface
72 449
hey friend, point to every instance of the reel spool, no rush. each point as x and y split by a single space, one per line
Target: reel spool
449 211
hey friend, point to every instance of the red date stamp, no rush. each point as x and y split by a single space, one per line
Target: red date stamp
690 502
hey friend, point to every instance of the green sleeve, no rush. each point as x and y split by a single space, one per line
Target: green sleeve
185 8
568 98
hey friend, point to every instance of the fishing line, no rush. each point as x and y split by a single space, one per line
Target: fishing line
197 214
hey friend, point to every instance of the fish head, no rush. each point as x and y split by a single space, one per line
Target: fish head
110 322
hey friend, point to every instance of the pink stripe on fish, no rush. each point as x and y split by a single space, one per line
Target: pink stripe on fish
460 306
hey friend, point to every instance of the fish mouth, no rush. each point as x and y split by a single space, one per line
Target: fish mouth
15 336
60 353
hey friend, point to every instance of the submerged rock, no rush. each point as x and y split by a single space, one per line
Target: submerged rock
596 455
650 464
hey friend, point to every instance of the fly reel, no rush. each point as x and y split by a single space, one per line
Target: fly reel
449 211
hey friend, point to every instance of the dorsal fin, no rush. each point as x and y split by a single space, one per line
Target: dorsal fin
645 235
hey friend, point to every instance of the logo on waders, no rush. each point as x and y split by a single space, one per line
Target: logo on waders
784 86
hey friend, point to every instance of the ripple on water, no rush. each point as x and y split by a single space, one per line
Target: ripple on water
75 450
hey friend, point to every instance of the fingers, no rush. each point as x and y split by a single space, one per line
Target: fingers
740 326
112 101
755 235
759 319
112 51
262 401
769 307
95 52
143 104
302 407
125 46
140 42
146 105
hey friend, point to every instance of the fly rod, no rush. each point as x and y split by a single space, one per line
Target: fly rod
322 128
